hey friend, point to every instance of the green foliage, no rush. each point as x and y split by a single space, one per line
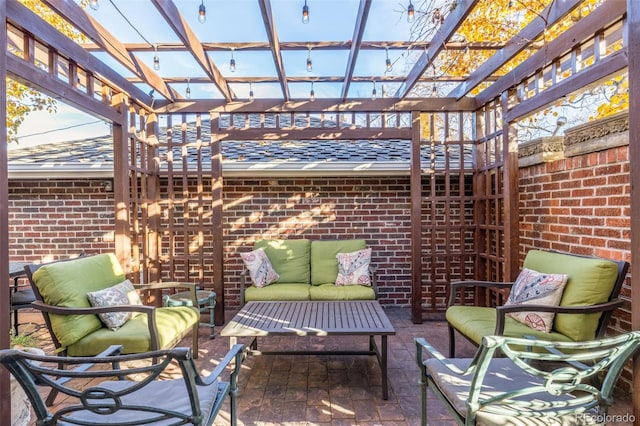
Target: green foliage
22 340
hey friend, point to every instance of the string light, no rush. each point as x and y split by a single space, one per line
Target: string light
94 4
232 63
384 91
312 93
388 61
156 59
250 92
188 91
305 13
434 90
411 13
374 92
309 63
202 13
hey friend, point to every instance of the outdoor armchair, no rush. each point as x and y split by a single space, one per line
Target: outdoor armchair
527 382
158 387
587 301
62 292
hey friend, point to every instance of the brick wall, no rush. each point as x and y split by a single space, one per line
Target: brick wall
374 209
57 219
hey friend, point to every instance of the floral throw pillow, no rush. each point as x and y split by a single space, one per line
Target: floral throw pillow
260 268
353 268
120 294
532 287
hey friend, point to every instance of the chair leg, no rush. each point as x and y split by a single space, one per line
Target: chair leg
423 401
194 341
15 320
452 343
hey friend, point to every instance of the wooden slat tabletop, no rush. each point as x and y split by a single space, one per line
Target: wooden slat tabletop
319 318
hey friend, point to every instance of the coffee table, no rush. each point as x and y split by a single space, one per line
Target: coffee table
315 318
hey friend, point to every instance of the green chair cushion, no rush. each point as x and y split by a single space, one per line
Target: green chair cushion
67 284
591 281
290 258
277 292
347 292
475 322
172 323
324 265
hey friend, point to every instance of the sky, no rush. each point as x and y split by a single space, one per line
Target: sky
238 20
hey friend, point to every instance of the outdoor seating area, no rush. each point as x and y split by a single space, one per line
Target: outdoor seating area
298 390
287 211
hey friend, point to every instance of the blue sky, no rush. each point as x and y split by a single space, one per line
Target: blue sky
241 21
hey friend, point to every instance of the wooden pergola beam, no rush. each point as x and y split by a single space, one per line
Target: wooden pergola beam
25 19
596 20
440 39
179 25
552 14
358 31
274 42
319 105
96 32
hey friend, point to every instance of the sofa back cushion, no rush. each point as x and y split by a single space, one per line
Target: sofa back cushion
591 281
290 258
67 283
324 264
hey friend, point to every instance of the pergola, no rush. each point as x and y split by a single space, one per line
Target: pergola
450 115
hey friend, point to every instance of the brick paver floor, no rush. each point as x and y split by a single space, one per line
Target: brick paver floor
332 390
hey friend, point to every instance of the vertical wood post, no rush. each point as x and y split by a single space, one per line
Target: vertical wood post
121 188
633 46
218 212
511 195
416 220
5 391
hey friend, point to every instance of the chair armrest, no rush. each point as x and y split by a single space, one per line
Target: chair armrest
502 311
149 311
373 272
458 285
236 353
423 345
243 284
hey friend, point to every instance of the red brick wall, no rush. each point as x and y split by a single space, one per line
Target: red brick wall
57 219
375 209
581 205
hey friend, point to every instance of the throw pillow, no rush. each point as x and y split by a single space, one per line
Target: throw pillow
353 268
532 287
119 294
260 268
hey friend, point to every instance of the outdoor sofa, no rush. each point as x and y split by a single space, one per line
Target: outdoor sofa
308 270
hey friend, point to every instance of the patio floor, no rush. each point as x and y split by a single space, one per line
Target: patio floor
332 390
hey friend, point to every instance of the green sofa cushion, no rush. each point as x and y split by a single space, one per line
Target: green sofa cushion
277 291
290 258
324 265
347 292
591 281
475 322
67 284
172 324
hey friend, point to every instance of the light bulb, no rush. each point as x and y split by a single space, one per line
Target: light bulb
374 92
312 93
411 13
156 62
232 65
202 13
188 91
387 62
94 4
309 65
305 13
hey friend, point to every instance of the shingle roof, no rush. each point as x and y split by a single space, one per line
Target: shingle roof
94 157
